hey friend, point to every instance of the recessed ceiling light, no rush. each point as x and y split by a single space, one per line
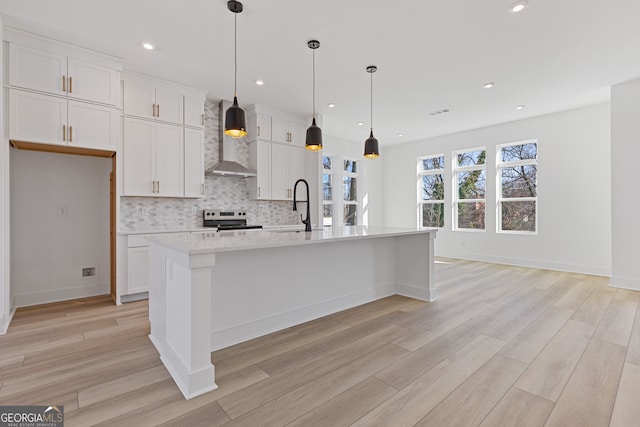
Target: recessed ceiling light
148 46
401 134
519 107
331 105
488 85
518 6
259 82
360 123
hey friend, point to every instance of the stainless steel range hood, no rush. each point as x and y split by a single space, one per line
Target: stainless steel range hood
228 164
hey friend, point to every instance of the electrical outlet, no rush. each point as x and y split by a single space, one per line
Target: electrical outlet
194 209
63 210
88 271
144 211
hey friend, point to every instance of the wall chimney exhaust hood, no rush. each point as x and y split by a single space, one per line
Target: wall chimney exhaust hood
228 164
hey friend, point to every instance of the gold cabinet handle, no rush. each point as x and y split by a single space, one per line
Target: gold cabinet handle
203 189
70 133
70 84
158 186
202 119
64 132
158 111
154 112
258 130
64 83
258 191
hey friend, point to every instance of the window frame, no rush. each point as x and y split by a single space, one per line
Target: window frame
330 172
421 202
499 198
455 199
355 175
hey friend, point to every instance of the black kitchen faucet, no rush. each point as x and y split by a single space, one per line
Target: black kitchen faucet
307 220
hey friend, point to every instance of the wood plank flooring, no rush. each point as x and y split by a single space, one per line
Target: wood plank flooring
503 346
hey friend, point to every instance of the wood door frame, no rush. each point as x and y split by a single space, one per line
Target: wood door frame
63 149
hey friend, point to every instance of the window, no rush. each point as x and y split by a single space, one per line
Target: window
327 191
471 182
431 191
350 184
517 200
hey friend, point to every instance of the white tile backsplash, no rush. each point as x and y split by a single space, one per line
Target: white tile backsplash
222 192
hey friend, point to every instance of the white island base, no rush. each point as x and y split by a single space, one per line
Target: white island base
212 290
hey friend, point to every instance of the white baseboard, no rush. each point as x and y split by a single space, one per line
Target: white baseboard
531 263
237 334
54 295
134 297
429 295
625 283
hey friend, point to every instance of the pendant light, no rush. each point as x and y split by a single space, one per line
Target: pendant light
235 124
371 144
314 133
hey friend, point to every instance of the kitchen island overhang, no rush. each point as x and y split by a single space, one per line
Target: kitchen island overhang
212 290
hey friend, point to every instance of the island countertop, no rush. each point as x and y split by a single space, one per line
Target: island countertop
228 241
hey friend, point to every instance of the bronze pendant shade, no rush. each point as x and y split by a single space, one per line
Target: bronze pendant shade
235 124
314 133
371 150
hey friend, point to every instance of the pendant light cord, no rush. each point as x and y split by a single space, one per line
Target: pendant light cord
371 102
314 83
235 54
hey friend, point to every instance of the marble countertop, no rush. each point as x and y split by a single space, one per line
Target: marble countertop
161 230
227 241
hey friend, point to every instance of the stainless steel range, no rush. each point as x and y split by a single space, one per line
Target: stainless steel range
226 220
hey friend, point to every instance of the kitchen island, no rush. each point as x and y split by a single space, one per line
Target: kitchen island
214 289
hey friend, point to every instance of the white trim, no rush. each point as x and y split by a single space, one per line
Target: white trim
625 283
42 297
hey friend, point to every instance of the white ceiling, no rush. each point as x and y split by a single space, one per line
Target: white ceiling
431 55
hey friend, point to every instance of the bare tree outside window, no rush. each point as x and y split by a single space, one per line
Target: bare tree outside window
471 181
518 187
431 191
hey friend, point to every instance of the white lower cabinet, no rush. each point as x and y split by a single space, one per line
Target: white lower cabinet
46 119
138 261
153 159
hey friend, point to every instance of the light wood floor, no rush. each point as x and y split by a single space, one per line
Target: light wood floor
503 346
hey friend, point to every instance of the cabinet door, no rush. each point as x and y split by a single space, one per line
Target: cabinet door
37 69
92 82
169 163
139 98
92 126
297 133
169 105
260 161
193 163
37 118
194 111
279 130
280 188
139 137
137 270
295 169
259 127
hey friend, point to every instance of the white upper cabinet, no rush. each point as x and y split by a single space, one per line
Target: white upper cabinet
59 74
149 99
259 127
34 117
194 110
92 125
260 161
287 131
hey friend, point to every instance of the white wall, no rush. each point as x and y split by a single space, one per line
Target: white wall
370 178
625 155
48 248
5 303
574 175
